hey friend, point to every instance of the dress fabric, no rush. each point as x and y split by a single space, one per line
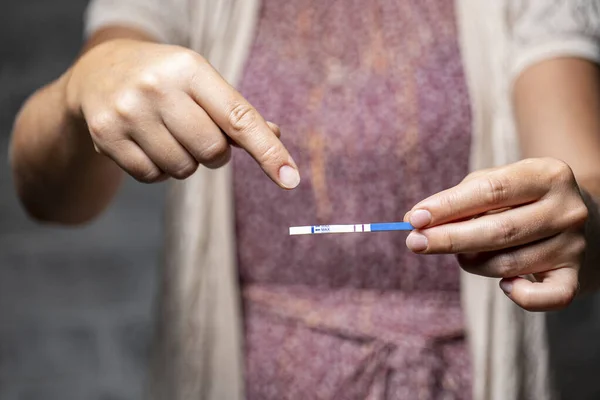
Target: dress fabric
373 106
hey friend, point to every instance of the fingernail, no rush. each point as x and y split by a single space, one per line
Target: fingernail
289 177
506 286
420 218
416 242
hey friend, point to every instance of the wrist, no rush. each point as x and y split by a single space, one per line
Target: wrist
69 101
70 106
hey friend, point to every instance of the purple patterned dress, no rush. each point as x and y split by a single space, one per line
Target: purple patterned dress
373 106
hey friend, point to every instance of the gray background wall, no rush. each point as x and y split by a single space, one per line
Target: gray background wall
76 305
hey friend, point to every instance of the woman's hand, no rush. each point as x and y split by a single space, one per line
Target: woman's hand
526 218
160 110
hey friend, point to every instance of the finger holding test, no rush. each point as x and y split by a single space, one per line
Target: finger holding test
244 125
508 186
514 227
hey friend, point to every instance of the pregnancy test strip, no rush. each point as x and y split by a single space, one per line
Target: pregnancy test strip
351 228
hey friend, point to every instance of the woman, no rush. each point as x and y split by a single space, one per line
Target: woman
385 103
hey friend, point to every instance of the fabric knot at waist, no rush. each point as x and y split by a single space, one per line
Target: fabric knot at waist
376 342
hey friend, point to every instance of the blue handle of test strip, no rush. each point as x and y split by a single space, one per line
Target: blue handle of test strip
391 226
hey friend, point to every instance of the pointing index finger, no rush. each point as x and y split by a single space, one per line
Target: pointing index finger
243 124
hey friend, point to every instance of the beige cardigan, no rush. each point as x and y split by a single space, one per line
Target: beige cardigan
199 342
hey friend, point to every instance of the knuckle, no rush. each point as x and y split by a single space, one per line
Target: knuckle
448 243
191 64
470 176
274 128
565 296
525 299
505 231
271 153
504 265
532 162
579 215
447 203
578 245
214 151
149 82
559 171
187 58
495 190
145 173
102 126
528 299
561 297
243 118
184 170
127 105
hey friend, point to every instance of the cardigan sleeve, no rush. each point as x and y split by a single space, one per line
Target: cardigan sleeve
166 20
543 29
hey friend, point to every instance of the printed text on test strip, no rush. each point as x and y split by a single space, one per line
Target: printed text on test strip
351 228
